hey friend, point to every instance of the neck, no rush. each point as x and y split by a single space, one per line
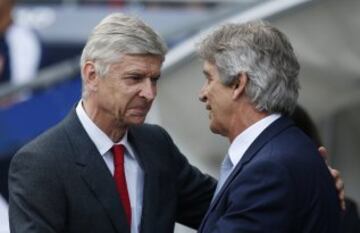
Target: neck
243 119
113 129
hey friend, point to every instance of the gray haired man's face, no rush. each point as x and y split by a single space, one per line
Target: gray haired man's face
127 92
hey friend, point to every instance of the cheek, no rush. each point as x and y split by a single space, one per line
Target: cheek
128 99
212 94
155 87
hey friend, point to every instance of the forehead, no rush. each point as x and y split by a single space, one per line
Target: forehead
210 67
138 62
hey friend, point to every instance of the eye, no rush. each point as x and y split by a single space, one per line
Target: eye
155 80
208 79
132 79
136 78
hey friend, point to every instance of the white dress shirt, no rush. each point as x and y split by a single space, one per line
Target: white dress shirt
22 40
4 216
133 172
243 141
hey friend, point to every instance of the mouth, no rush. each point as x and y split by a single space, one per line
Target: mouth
208 108
139 110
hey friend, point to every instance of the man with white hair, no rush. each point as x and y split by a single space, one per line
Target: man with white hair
273 178
101 169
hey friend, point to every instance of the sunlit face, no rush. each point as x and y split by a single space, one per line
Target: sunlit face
217 98
127 92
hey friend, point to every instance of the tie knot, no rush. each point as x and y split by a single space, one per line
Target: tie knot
118 152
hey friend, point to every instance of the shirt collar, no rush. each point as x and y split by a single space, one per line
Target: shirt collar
243 141
102 142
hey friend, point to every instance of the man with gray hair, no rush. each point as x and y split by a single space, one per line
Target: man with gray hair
272 178
101 169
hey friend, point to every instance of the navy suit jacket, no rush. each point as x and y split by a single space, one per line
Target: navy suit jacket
281 185
60 183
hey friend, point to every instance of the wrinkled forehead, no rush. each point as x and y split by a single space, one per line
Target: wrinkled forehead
138 63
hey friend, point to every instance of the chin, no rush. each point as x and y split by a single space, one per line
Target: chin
214 129
218 128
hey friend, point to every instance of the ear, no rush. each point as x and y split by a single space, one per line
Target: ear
239 85
90 76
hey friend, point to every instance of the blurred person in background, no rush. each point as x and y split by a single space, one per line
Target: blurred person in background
273 178
20 49
350 220
101 169
20 53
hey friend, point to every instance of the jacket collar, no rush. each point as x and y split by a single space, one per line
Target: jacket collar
97 176
94 172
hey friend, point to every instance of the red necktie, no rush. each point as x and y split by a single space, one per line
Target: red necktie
120 179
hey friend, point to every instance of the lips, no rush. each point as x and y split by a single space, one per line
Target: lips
140 110
208 107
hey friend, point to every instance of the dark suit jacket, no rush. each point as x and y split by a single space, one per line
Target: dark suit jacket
281 185
351 220
60 183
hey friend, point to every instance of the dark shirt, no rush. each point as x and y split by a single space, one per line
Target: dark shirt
4 60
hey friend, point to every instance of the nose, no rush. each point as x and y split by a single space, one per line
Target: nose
148 90
202 94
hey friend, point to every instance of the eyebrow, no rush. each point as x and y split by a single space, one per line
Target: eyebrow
156 76
133 72
138 72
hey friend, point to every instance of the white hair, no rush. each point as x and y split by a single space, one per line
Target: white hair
117 35
264 54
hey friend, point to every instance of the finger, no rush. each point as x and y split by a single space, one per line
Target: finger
323 152
340 186
334 173
342 200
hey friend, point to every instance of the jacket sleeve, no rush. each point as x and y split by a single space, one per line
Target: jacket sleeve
194 189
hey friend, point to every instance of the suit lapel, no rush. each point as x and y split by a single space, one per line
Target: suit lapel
95 173
145 156
267 135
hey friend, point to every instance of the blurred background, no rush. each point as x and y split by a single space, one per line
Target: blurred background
41 41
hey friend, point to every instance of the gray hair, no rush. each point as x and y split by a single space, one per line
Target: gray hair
264 54
117 35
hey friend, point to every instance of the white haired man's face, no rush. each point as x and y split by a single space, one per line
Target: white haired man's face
124 96
218 99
